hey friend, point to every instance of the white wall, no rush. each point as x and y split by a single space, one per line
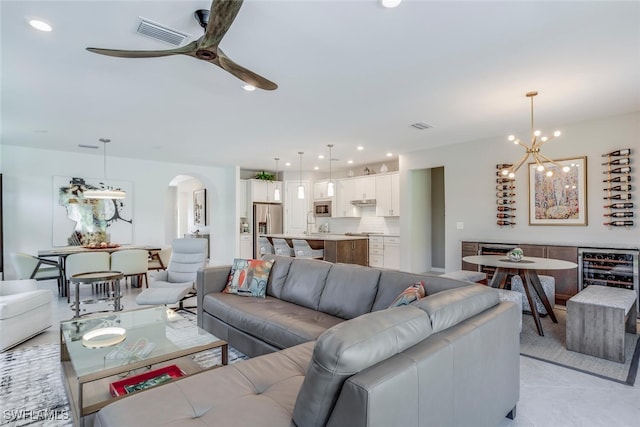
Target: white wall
28 185
470 187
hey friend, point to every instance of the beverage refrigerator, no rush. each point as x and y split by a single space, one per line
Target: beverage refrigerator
267 219
608 267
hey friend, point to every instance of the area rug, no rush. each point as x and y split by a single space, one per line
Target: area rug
31 389
551 348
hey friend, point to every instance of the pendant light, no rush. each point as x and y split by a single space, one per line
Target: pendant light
105 193
300 186
330 190
276 192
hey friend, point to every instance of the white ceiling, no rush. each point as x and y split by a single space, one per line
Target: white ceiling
349 73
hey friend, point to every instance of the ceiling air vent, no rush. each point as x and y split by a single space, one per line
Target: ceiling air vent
421 125
160 32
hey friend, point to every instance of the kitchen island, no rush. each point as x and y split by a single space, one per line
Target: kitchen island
337 247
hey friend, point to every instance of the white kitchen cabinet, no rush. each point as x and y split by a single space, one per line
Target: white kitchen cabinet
320 190
344 196
391 252
242 198
246 246
364 188
263 191
376 251
388 195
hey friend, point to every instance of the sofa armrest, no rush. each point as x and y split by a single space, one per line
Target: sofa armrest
11 287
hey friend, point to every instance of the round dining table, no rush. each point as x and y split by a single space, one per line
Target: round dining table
527 268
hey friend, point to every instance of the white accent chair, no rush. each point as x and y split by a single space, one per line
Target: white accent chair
281 247
160 260
86 262
25 311
177 282
264 247
132 263
31 267
302 249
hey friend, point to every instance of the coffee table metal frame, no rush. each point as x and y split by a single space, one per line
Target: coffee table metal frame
75 383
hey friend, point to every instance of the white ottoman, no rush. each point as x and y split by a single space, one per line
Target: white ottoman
548 285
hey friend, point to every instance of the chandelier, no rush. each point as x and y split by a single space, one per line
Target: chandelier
533 150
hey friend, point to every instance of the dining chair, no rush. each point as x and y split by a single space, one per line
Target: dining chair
131 263
86 262
264 246
31 267
159 260
177 282
302 249
282 247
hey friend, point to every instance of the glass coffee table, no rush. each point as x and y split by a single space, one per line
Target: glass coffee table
100 350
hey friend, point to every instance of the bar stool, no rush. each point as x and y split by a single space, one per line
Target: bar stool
282 247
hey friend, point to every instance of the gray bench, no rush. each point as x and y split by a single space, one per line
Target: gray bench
597 318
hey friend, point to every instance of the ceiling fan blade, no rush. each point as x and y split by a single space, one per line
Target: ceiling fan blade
243 74
221 16
188 49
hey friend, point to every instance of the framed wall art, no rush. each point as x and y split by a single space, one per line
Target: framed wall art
200 207
558 194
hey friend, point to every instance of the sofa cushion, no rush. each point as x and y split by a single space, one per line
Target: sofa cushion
255 392
350 347
349 290
279 272
411 294
249 277
305 282
279 323
448 308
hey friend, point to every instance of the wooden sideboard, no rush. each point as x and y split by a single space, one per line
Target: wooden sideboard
566 280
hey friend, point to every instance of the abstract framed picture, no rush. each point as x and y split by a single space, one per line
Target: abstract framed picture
200 207
558 194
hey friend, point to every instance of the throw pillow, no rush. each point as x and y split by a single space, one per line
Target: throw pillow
409 295
249 277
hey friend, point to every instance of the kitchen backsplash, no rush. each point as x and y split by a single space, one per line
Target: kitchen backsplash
367 223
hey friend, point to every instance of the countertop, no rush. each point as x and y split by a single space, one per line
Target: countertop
317 236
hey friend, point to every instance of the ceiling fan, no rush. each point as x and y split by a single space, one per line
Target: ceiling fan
216 23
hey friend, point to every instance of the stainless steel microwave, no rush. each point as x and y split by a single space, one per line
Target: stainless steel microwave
322 209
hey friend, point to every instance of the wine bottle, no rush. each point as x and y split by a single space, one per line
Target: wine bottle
622 161
508 208
500 222
499 173
623 152
619 206
626 187
619 223
503 180
624 169
620 214
505 201
505 215
626 196
623 178
505 187
503 166
504 194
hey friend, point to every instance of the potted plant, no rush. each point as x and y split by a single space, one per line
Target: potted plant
265 176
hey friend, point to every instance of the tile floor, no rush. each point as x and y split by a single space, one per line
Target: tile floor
550 396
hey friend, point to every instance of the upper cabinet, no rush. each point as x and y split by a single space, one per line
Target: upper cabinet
364 188
388 194
320 190
345 193
263 191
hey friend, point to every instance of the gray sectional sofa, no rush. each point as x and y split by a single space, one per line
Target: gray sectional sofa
327 351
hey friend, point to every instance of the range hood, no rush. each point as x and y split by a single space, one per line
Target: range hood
367 202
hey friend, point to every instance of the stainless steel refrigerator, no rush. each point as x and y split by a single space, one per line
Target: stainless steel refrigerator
267 219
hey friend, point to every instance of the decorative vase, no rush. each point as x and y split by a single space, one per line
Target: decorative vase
384 168
515 254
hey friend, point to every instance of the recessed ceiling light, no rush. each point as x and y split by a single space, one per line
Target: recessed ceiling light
350 161
287 164
321 156
360 148
389 154
249 88
315 168
390 3
40 25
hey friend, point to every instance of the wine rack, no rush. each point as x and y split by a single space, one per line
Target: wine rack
608 267
505 193
617 192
